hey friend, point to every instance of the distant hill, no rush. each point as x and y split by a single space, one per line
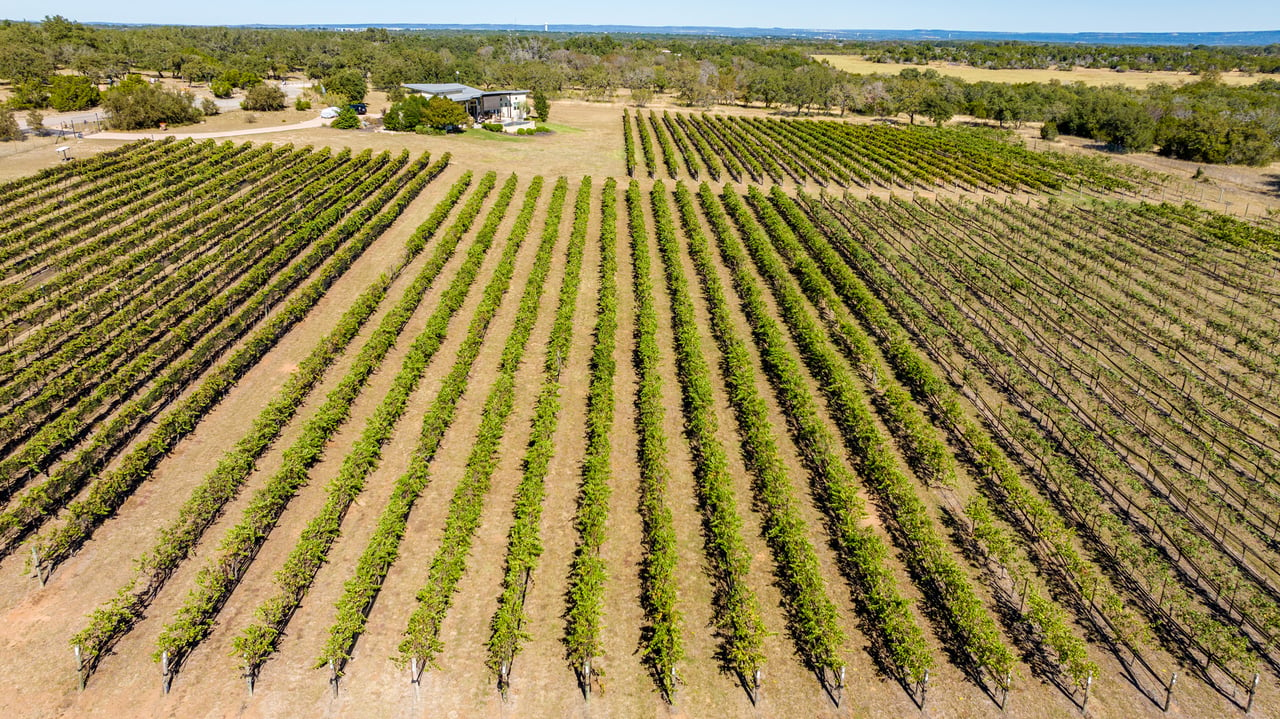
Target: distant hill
1254 37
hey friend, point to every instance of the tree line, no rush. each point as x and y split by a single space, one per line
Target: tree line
1043 56
1205 121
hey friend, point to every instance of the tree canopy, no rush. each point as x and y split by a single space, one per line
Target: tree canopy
135 104
442 113
349 83
1205 121
265 97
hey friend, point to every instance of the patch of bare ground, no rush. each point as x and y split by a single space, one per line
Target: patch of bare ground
29 156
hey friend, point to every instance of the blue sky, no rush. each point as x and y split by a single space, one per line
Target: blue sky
990 15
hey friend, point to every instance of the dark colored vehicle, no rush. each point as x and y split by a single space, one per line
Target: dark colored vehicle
360 107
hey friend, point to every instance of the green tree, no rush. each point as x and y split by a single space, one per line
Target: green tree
598 81
766 84
136 103
541 105
405 115
68 93
263 98
1006 105
347 119
809 86
9 129
441 113
937 106
220 88
350 83
24 63
35 122
198 70
243 79
29 94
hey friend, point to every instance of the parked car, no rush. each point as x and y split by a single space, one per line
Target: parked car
360 107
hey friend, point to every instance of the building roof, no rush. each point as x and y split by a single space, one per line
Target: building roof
457 91
452 90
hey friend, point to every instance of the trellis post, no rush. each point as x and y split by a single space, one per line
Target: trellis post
1168 691
80 669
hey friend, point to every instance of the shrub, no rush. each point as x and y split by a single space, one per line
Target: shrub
209 107
136 104
405 115
264 98
29 94
72 92
9 129
35 122
301 104
242 79
347 119
220 88
1049 130
492 126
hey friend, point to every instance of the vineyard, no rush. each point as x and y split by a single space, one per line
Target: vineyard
832 154
287 430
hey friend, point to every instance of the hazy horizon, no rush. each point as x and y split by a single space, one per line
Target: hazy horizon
1086 16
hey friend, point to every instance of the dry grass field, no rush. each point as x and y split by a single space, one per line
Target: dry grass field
1089 76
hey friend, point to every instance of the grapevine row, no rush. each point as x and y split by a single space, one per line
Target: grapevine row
383 545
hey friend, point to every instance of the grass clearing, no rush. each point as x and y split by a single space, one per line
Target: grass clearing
1096 77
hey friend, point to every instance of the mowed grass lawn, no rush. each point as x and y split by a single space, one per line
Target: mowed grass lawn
1096 77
